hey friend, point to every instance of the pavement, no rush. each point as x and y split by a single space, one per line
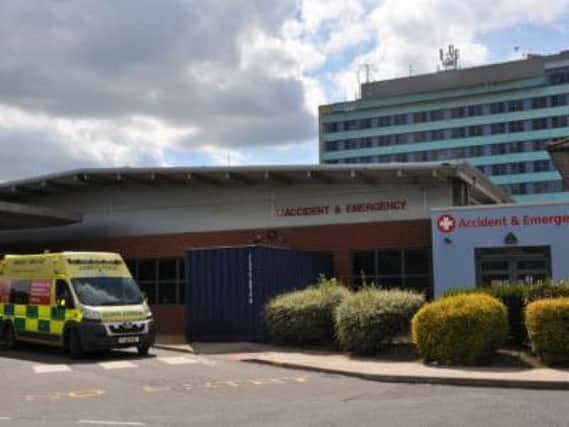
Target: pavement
42 387
413 372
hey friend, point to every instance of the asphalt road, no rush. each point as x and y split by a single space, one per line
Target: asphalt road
39 387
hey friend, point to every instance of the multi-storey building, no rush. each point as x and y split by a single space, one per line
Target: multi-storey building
499 117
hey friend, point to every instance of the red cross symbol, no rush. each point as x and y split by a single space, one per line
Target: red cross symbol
446 223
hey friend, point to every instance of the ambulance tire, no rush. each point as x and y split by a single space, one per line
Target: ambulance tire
143 350
74 344
9 337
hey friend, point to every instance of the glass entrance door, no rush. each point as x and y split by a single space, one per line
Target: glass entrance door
512 265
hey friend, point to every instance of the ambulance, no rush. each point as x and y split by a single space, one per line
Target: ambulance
78 301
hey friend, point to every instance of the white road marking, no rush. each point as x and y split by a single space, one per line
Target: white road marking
117 365
204 361
49 369
5 419
111 423
180 360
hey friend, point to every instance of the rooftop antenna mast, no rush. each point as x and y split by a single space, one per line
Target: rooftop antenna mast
367 68
449 59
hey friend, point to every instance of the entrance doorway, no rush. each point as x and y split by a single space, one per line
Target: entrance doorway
512 264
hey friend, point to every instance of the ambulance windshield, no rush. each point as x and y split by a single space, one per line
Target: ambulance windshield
107 291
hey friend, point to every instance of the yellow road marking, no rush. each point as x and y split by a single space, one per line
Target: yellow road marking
79 394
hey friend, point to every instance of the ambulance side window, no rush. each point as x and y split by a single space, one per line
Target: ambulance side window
20 292
62 293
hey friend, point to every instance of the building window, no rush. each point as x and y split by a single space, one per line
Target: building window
499 170
539 144
436 115
331 145
365 123
458 153
420 117
497 128
559 121
330 127
516 147
517 168
559 78
542 166
475 130
421 156
520 188
393 268
400 119
497 108
161 280
497 149
538 124
474 110
353 124
476 151
558 100
365 143
540 102
384 121
457 113
400 139
517 105
458 133
420 137
437 135
547 187
517 126
351 144
384 140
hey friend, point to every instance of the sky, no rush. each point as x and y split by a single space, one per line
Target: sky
104 83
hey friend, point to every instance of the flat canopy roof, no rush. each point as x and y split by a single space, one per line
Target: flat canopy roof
559 152
15 216
373 174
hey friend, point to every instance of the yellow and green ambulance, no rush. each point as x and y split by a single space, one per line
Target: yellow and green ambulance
79 301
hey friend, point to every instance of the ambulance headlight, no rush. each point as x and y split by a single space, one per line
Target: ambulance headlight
147 312
90 314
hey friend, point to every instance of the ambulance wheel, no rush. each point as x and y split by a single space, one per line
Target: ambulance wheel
74 344
142 350
9 337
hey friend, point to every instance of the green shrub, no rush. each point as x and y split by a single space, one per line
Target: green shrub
516 297
369 319
305 316
460 329
547 323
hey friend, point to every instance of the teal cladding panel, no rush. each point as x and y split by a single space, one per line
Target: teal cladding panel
544 197
526 177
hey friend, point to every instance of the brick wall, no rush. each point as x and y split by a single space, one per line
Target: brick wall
341 239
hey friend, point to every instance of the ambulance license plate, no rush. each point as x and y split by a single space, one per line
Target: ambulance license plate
128 340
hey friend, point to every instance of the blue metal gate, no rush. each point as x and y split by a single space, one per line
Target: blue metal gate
227 288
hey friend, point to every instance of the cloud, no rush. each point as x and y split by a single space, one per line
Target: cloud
409 33
112 70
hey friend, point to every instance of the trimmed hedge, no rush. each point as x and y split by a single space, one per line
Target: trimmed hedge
461 329
305 316
368 320
516 297
547 323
